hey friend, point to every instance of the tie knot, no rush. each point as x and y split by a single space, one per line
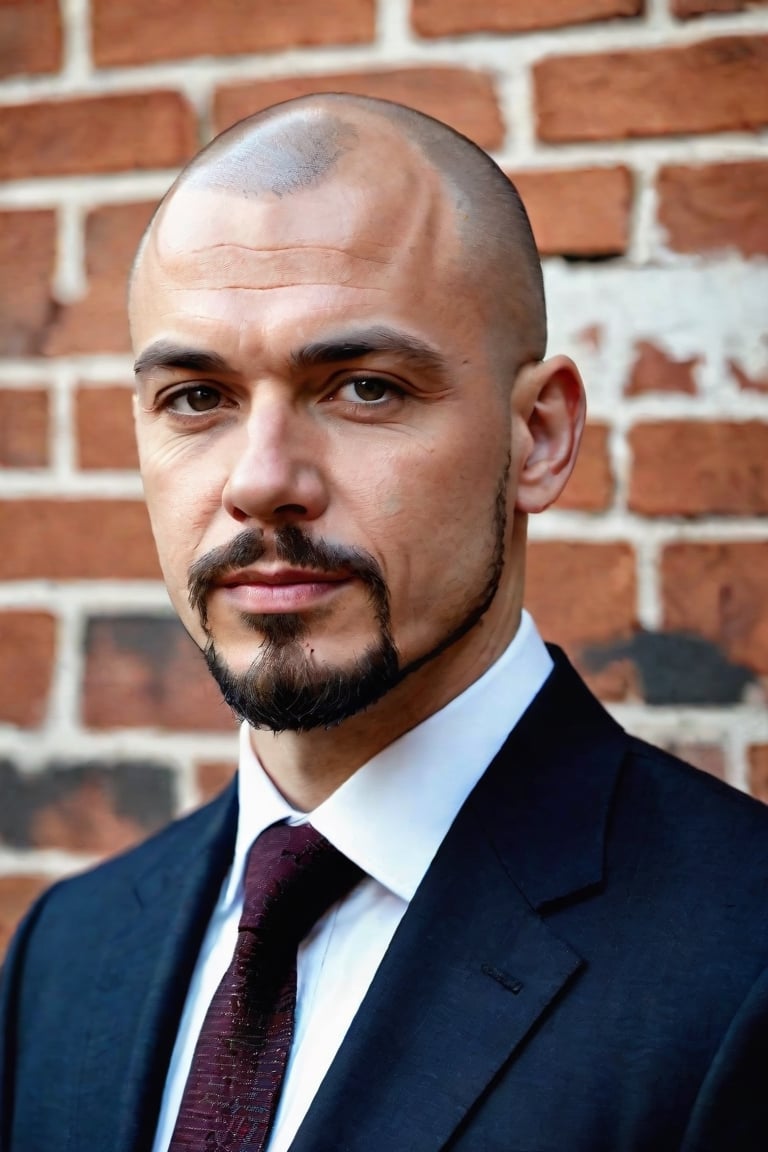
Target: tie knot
293 875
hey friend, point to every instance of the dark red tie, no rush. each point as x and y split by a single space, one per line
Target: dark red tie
293 875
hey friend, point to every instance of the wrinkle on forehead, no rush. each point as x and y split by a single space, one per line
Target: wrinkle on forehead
347 230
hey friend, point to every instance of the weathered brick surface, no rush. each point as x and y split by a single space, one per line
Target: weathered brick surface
92 807
112 133
591 485
654 370
27 653
746 381
27 258
716 85
16 894
453 17
600 604
757 762
583 616
719 591
30 36
98 322
145 672
465 99
654 284
24 414
76 539
715 206
578 212
684 9
104 419
213 775
695 468
148 30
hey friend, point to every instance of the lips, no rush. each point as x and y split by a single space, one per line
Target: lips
280 577
262 590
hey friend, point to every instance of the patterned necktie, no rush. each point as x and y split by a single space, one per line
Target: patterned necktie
293 875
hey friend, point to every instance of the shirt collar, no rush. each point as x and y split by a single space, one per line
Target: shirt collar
391 816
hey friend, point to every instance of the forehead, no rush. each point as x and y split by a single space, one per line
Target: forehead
369 237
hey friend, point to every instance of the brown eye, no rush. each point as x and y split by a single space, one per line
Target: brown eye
200 399
370 389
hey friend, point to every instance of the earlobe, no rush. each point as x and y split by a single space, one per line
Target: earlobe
550 410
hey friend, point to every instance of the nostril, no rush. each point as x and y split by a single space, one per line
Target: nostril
291 510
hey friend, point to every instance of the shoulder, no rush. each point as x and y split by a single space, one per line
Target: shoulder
708 840
99 892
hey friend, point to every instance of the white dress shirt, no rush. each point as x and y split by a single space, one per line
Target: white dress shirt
390 818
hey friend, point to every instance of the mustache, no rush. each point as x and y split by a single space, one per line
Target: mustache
293 546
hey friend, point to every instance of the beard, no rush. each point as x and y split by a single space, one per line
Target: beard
284 689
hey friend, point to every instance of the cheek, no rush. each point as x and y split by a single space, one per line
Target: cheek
182 497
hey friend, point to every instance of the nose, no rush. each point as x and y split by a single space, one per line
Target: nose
275 475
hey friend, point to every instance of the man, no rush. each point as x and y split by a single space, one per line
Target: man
556 937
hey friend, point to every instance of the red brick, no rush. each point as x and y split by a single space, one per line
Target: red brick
719 591
715 206
716 85
30 37
104 423
16 895
96 134
591 486
696 468
99 321
684 9
454 17
27 258
462 98
745 381
581 593
757 761
77 539
27 652
145 672
213 776
654 370
23 427
147 30
578 212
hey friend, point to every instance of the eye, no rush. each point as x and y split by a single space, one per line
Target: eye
200 398
367 390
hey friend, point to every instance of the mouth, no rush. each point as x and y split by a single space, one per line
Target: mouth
279 589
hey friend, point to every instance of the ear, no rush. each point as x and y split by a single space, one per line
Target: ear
549 410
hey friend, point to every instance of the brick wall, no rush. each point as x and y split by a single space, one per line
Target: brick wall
637 134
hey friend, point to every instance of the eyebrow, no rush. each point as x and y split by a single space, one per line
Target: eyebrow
355 345
166 354
368 342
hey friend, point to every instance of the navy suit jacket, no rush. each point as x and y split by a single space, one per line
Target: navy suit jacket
583 969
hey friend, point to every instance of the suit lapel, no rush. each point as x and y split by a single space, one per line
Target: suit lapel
474 966
139 995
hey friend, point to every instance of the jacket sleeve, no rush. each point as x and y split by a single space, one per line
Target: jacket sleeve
11 978
731 1110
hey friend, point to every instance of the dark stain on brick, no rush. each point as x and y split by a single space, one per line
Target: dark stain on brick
153 638
676 668
139 791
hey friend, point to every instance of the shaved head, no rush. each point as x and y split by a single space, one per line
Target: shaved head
298 145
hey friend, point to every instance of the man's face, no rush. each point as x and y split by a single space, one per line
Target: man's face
325 453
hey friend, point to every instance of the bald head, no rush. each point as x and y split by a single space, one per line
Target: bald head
301 144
